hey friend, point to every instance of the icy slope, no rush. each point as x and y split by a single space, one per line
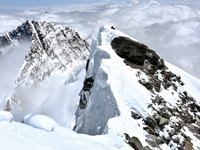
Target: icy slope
146 98
53 54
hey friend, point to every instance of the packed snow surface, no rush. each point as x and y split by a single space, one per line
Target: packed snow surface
19 136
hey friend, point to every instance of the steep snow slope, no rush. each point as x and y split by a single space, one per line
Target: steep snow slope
158 108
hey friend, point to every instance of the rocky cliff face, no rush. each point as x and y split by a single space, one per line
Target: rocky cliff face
54 50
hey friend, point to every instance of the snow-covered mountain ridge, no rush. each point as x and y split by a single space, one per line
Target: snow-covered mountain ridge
129 97
145 90
54 51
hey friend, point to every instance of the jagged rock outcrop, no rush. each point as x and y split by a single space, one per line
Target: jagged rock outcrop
136 53
22 33
53 50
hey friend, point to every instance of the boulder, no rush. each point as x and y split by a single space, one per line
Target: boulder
135 143
163 121
150 121
176 139
188 146
172 132
135 115
129 49
153 141
157 99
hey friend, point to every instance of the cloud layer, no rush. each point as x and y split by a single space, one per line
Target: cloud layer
173 31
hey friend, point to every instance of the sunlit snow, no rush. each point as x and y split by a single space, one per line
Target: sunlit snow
49 126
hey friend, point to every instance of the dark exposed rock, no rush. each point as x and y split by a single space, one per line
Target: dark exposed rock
138 54
4 41
148 85
83 101
88 83
156 84
176 139
87 65
187 138
157 99
151 131
163 121
23 32
165 115
172 132
195 106
161 64
157 118
152 57
151 122
188 146
153 141
168 75
135 115
133 51
134 142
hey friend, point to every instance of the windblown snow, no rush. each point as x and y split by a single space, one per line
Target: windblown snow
106 115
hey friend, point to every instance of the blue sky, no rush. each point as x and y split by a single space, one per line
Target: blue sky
48 3
36 3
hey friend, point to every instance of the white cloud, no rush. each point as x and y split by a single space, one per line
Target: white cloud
135 1
173 31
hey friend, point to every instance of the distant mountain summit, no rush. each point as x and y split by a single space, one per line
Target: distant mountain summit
53 50
23 32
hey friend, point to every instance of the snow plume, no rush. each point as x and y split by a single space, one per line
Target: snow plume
171 30
11 60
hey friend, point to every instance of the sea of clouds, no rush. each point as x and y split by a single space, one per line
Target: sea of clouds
172 30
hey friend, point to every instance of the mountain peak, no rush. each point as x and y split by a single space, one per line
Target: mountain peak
53 50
